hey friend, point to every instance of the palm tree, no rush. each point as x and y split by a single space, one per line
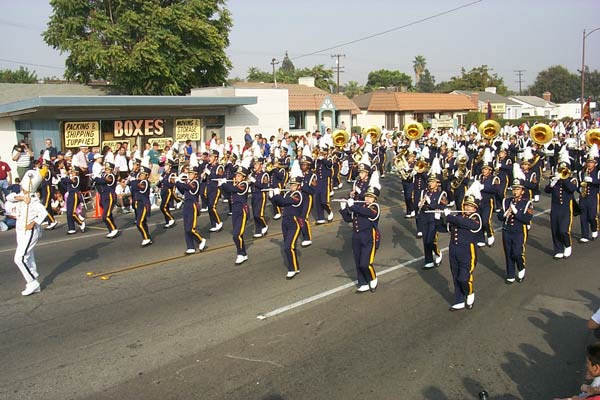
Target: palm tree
419 64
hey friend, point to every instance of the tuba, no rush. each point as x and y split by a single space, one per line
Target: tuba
357 156
421 166
340 137
372 131
401 165
541 134
593 137
489 129
413 130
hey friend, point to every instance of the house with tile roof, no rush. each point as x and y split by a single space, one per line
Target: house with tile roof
501 105
394 109
533 106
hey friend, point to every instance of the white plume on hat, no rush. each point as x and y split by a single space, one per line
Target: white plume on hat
474 190
412 147
202 147
593 152
374 181
518 172
527 154
425 152
488 158
365 159
145 162
306 151
193 160
31 181
563 156
505 144
295 171
368 147
245 163
436 167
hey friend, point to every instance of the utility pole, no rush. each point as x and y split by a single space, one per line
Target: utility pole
585 35
519 72
274 62
338 68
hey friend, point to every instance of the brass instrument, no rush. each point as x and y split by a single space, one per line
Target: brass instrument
402 166
374 132
541 134
223 160
315 153
357 156
413 130
593 137
269 166
340 137
564 172
583 185
489 129
421 166
458 181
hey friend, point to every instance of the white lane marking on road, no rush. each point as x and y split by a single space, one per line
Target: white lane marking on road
254 360
353 283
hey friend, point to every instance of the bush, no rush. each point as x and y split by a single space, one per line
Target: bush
356 128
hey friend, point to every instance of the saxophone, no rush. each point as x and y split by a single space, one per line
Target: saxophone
583 185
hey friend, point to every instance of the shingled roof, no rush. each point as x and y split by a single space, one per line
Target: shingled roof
11 92
418 102
304 98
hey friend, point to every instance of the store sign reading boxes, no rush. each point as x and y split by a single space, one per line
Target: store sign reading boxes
188 129
139 127
81 133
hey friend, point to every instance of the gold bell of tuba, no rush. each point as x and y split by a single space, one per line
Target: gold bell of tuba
340 137
374 132
541 134
489 129
593 137
413 130
357 156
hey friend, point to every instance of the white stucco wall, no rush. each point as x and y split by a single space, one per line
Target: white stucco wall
8 138
368 118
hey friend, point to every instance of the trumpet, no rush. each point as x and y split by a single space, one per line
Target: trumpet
421 166
269 166
564 172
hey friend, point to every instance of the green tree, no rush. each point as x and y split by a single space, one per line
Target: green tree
353 88
256 75
563 85
477 79
153 47
323 77
592 84
419 64
21 75
387 78
426 83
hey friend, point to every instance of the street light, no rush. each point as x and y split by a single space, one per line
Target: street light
585 35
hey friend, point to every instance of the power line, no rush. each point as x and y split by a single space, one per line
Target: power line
389 30
338 68
519 73
31 64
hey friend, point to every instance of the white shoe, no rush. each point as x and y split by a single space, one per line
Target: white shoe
594 235
373 285
264 230
190 251
257 235
52 226
438 259
320 221
72 231
470 300
113 233
331 193
428 265
457 306
568 251
146 242
170 223
82 226
480 244
277 216
341 185
172 208
363 288
240 259
521 275
216 228
584 240
225 201
205 209
202 244
31 287
330 217
536 198
154 207
178 205
44 223
306 243
412 214
419 234
558 256
490 241
290 274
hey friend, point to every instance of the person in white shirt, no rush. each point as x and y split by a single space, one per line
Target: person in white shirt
121 164
98 165
30 214
123 193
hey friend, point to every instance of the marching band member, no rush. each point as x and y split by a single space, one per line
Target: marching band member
133 174
293 213
47 193
30 213
361 183
489 188
106 184
323 171
336 178
503 170
589 185
419 186
238 190
562 188
277 179
71 182
407 178
260 180
230 169
462 252
530 182
365 233
515 214
309 183
140 192
190 187
214 171
432 199
167 195
536 166
203 179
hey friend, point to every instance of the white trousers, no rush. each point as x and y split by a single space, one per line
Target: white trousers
24 257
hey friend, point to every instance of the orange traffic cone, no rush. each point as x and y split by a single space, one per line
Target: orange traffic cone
97 207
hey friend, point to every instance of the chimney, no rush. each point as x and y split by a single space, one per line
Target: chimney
306 81
491 89
547 95
475 99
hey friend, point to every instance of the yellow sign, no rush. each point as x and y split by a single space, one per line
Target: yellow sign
497 108
82 133
162 142
113 143
188 129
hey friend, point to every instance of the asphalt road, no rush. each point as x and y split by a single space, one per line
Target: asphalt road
187 328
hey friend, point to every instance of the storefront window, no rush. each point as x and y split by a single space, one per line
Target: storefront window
297 120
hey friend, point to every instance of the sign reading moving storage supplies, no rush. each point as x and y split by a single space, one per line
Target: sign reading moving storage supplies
81 133
188 129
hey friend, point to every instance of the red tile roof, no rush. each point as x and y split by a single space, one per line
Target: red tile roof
395 101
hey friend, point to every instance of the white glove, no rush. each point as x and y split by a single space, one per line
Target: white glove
588 179
343 205
427 199
553 181
357 190
446 211
271 194
513 208
221 181
350 202
252 179
206 171
276 191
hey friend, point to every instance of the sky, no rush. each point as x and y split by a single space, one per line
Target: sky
506 35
